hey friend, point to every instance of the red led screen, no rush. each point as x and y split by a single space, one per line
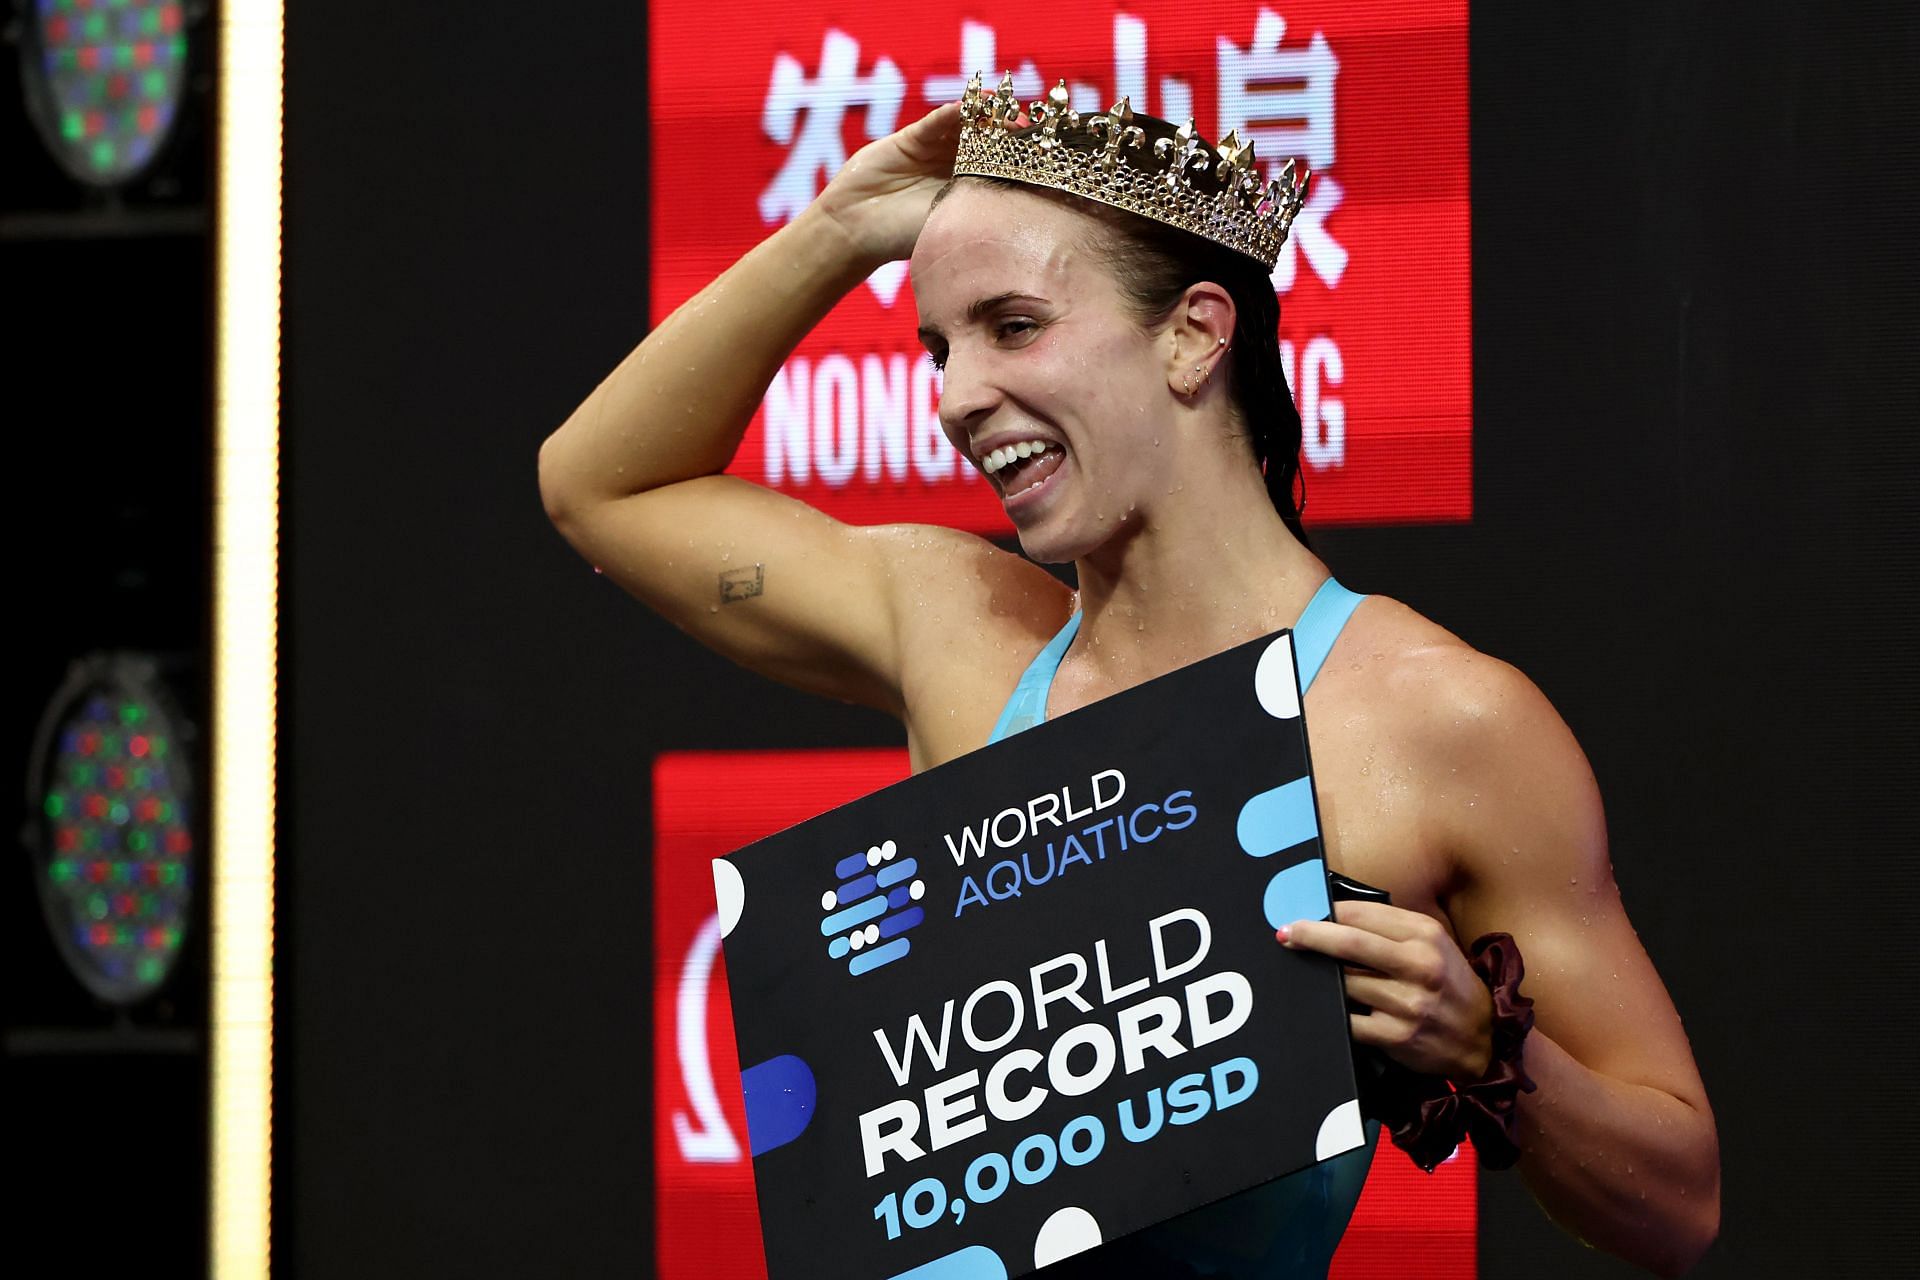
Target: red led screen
755 106
711 803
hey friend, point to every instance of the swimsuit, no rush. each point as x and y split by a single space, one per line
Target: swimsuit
1285 1228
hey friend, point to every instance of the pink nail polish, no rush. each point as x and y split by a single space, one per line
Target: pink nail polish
1281 934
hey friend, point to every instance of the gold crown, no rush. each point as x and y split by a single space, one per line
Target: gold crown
1133 162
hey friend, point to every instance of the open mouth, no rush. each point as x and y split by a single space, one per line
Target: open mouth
1018 468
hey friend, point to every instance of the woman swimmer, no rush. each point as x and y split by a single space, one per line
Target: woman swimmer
1136 368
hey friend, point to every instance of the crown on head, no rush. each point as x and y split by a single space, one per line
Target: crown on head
1133 162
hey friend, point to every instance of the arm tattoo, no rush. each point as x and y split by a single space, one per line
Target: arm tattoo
742 584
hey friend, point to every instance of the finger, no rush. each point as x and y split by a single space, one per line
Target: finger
1343 942
1397 923
1382 995
936 130
1378 1029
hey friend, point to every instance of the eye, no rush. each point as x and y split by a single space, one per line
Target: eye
1014 327
938 359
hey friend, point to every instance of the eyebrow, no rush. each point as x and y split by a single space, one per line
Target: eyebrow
978 309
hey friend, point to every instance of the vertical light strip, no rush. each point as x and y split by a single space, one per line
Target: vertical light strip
246 583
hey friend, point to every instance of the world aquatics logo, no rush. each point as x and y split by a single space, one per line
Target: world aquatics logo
873 907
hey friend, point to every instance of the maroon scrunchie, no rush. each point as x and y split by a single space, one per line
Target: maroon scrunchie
1428 1115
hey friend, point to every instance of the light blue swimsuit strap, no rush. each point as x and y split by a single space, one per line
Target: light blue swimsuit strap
1319 627
1313 638
1028 705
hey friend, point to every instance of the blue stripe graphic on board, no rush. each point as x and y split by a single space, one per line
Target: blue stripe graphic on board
874 957
901 870
853 889
902 922
1277 819
975 1262
858 913
1298 893
780 1095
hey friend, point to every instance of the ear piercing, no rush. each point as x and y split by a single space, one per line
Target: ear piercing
1203 373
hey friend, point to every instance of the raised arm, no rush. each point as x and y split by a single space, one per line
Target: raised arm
632 479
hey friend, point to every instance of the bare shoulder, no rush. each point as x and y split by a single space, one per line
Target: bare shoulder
1512 804
1448 695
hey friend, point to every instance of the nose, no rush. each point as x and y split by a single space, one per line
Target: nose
968 398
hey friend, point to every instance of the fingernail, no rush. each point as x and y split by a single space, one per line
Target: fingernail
1281 934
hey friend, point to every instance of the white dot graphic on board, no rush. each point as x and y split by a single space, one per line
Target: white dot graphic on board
1341 1130
827 900
729 894
917 890
1273 680
1069 1231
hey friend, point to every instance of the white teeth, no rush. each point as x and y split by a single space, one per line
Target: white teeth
1010 453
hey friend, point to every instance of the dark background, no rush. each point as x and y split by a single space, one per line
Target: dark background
1693 310
107 364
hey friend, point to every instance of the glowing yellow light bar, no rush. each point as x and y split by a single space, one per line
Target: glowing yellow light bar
246 558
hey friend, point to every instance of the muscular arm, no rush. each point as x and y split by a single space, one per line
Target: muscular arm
631 480
1618 1143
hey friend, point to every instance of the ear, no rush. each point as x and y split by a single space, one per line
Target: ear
1198 337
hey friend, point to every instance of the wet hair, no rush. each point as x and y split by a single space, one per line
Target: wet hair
1154 265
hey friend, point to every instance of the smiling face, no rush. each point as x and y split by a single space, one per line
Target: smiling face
1043 359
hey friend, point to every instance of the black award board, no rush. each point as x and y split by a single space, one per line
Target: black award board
1031 1000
